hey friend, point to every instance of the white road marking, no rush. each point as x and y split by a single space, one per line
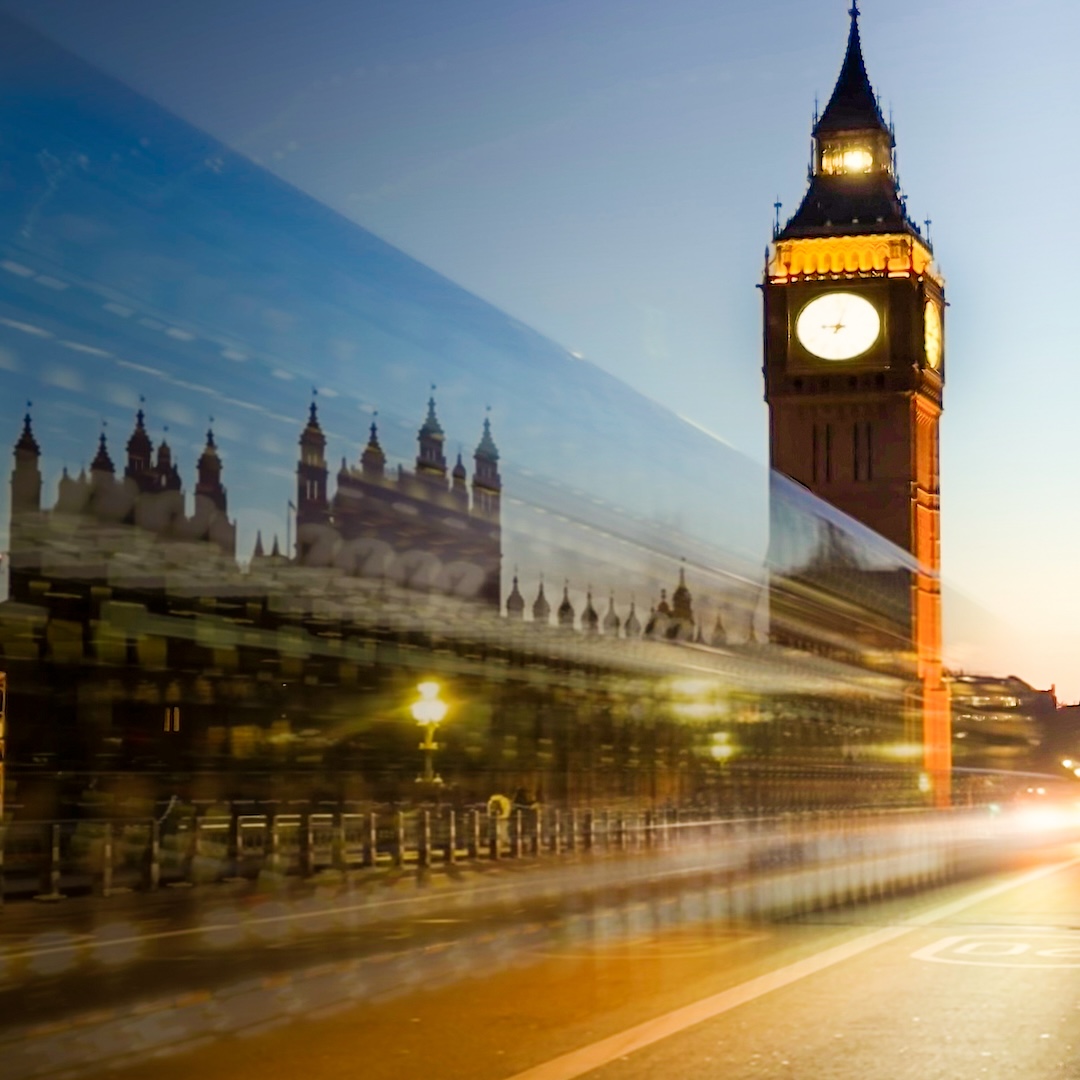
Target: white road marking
650 948
578 1062
1034 948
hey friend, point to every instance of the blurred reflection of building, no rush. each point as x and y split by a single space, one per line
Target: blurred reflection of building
1063 741
419 529
1001 722
102 522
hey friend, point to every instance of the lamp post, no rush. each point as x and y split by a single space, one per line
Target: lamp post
428 711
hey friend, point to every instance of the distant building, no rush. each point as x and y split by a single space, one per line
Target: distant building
1000 722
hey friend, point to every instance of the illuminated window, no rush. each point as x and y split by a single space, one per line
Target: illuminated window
847 159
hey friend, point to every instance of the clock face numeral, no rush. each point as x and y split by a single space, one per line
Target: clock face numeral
838 326
932 334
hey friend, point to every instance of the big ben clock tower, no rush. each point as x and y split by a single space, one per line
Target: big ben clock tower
855 363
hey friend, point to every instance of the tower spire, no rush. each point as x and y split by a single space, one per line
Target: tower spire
853 104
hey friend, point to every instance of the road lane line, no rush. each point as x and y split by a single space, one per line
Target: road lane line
578 1062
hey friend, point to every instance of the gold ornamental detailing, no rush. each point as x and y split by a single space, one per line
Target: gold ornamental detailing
894 255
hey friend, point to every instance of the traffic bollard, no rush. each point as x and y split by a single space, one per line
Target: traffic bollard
51 881
107 861
154 869
515 836
474 834
423 854
399 839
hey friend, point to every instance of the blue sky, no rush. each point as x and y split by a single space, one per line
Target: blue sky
605 172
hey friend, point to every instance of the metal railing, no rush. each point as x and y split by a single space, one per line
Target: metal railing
49 860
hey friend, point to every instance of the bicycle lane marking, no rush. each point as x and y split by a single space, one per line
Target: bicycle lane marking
1006 948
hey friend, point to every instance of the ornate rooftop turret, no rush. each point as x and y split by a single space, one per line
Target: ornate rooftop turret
102 463
209 486
659 618
311 502
515 602
459 486
27 444
590 620
541 609
312 438
682 611
167 473
140 451
565 614
373 460
682 606
26 475
611 620
487 484
431 462
632 626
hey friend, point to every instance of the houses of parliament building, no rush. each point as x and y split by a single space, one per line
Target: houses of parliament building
136 642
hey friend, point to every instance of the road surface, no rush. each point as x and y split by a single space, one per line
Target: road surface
976 979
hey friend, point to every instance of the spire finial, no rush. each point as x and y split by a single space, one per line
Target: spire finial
853 11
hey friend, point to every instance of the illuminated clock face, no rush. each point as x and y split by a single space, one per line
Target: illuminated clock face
932 334
838 326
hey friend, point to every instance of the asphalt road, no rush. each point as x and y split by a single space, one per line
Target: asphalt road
978 979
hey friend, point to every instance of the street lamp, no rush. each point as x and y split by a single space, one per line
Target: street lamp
428 711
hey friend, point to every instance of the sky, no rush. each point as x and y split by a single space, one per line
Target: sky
606 171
